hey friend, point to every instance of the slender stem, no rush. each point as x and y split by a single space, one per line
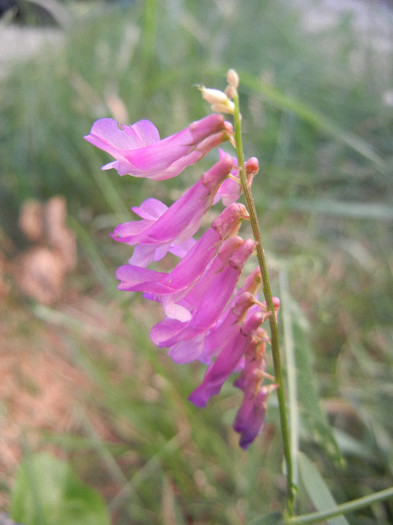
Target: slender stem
344 508
269 303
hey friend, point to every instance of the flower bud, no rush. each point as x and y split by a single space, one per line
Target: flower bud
218 100
230 92
233 78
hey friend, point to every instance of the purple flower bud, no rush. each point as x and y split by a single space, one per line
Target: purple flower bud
230 190
250 418
166 229
226 362
254 362
139 151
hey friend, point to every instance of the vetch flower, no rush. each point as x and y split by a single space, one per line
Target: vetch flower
164 229
179 309
226 327
226 362
230 190
250 418
254 363
139 151
231 320
205 304
191 266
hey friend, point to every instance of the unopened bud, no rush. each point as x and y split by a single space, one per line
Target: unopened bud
230 91
233 78
218 100
252 166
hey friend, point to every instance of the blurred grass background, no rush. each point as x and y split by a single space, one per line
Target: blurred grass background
317 115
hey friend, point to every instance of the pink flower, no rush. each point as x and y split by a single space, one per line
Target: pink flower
206 316
250 418
180 308
226 362
164 229
254 363
139 151
230 190
205 303
190 268
232 319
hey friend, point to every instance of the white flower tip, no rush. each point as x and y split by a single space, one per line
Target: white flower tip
233 78
218 100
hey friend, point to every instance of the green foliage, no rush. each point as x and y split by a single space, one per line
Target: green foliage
317 489
315 426
273 518
47 492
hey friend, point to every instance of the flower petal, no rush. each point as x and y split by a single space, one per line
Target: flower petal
177 223
139 151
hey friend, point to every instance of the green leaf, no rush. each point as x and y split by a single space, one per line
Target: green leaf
47 492
313 417
317 489
273 518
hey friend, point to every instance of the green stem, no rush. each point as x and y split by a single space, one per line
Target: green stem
269 303
344 508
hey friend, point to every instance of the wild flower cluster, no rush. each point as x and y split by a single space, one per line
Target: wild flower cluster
208 317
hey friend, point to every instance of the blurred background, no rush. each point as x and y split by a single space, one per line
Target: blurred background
95 425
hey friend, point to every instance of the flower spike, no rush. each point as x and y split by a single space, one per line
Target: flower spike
207 316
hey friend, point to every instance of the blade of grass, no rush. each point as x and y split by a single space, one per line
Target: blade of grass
95 259
313 117
350 506
374 211
290 369
317 489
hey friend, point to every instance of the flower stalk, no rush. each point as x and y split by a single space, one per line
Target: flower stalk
268 298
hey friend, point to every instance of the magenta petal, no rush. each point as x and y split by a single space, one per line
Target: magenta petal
225 364
202 300
188 270
182 219
229 191
106 135
250 418
221 334
182 248
150 209
143 132
194 296
162 286
133 278
144 254
196 293
130 230
165 329
139 151
187 351
176 224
